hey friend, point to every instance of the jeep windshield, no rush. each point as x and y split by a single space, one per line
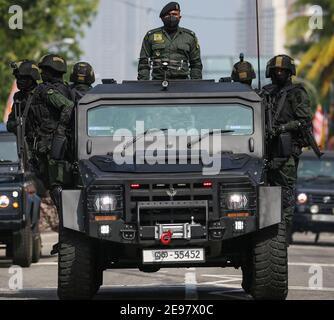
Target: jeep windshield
8 151
114 120
313 168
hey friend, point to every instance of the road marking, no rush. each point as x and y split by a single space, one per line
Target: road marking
310 247
306 264
310 288
53 263
190 285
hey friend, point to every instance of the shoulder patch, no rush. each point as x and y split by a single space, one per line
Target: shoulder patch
50 91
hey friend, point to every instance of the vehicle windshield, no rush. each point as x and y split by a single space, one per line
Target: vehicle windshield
110 120
8 151
309 168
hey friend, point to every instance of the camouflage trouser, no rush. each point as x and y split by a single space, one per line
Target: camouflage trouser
286 176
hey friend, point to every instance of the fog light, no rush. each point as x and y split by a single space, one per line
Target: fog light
15 205
104 229
314 209
238 225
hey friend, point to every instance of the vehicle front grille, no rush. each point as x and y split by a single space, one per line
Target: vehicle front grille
152 192
243 186
326 207
116 190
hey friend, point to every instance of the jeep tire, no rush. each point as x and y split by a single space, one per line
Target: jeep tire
77 272
36 247
22 246
268 277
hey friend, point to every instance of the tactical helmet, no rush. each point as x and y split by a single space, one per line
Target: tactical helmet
54 62
26 68
281 61
243 71
82 73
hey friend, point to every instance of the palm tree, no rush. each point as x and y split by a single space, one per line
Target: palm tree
314 47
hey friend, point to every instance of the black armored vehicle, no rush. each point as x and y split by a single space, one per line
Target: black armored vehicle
315 194
19 206
171 175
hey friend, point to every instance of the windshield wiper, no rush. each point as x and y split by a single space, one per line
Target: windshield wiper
210 133
129 143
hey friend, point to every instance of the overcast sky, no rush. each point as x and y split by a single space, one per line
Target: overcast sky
216 37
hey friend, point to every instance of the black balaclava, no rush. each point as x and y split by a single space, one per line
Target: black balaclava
171 23
25 83
281 77
50 75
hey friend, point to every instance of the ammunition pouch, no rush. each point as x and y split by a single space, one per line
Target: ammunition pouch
60 173
285 145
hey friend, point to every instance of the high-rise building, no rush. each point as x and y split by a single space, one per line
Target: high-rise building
274 16
246 29
112 43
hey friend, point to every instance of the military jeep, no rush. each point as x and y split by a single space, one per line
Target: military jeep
19 206
171 175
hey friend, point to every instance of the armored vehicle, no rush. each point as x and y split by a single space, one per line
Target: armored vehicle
19 206
315 195
171 175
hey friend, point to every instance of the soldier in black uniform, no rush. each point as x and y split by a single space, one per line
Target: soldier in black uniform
52 109
82 77
243 72
27 74
291 113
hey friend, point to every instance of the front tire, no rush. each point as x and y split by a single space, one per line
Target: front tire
22 246
270 264
77 275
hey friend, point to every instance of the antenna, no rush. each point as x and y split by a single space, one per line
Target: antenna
258 44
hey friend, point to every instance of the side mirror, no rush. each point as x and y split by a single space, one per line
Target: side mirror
285 145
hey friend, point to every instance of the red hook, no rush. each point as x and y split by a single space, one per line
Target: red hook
166 238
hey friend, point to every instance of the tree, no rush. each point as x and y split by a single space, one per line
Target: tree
45 25
314 46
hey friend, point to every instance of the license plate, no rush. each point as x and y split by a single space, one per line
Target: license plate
322 217
173 255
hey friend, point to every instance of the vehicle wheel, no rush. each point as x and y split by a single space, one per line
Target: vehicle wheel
246 278
9 250
270 264
36 248
77 275
22 246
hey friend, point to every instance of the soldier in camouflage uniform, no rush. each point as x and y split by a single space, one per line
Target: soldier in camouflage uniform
27 74
52 109
178 46
291 111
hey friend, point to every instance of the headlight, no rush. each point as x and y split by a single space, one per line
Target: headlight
105 203
237 201
4 201
314 209
302 198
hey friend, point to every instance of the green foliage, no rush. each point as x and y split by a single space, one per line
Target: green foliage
45 26
314 48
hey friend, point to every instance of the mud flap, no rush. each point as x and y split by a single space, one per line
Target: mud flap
72 210
270 206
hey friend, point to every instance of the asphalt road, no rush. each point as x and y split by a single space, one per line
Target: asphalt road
311 276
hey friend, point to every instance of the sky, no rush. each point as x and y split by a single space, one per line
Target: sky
112 44
216 37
